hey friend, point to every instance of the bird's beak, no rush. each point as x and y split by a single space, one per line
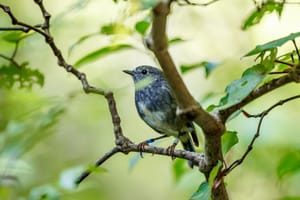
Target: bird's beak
128 72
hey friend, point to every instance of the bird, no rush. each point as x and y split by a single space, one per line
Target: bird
156 105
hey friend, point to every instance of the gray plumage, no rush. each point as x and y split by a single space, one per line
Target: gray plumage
157 105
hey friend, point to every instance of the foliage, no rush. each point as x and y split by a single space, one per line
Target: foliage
202 193
20 135
22 76
266 7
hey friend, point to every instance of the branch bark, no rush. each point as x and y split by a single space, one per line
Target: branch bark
212 127
260 91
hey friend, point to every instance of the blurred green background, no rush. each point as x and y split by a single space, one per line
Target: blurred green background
49 134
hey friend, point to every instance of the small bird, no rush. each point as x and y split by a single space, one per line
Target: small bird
156 105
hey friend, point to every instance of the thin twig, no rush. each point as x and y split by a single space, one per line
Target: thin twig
285 63
106 156
10 60
14 21
262 115
23 29
15 50
292 57
297 50
188 2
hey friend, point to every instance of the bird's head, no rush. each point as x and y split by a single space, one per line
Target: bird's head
144 75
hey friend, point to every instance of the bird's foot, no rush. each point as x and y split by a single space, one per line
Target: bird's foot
141 147
171 149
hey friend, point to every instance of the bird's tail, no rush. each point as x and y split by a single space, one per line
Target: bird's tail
187 144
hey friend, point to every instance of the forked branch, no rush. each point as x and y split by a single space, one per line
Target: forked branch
261 115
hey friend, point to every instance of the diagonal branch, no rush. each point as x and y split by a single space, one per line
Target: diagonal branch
106 156
261 115
260 91
159 45
212 127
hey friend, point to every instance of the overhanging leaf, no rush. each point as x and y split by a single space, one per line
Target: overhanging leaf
202 193
237 90
209 67
229 139
273 44
289 164
100 53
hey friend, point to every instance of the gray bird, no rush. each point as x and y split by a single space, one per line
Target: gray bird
157 106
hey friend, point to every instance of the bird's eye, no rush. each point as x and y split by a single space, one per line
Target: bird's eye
144 71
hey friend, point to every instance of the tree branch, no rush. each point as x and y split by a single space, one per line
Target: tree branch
23 29
212 127
261 115
126 146
106 156
159 45
123 144
260 91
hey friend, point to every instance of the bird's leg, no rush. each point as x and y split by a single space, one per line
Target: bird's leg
141 146
171 148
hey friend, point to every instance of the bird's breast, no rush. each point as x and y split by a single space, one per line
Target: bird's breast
158 120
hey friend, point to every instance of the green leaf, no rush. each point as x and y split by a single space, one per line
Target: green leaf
79 41
22 76
213 173
46 192
257 15
100 53
289 164
289 198
237 90
149 4
14 36
273 44
202 193
22 135
175 40
179 169
142 26
229 139
114 28
209 67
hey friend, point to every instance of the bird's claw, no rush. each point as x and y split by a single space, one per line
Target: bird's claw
170 151
141 147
